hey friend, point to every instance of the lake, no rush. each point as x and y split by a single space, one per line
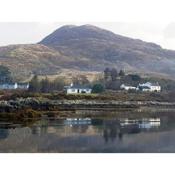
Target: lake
92 132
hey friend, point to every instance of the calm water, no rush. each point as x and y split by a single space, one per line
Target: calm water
124 132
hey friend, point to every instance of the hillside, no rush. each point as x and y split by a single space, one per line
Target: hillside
105 48
87 48
29 59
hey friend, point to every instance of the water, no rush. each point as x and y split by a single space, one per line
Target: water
100 133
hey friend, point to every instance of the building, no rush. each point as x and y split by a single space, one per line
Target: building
149 87
12 86
8 86
77 121
22 85
77 89
125 87
145 87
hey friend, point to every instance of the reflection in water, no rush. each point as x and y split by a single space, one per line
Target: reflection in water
111 128
114 134
117 128
4 133
36 130
77 121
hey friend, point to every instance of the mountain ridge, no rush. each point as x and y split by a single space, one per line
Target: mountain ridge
87 48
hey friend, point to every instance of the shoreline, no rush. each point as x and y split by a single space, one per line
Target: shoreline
61 105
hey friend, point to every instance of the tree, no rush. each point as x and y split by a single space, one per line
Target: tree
107 74
5 74
114 74
114 85
135 77
34 84
121 73
58 84
80 80
97 88
45 85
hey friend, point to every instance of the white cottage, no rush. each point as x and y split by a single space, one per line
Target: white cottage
23 86
11 86
149 87
125 87
77 89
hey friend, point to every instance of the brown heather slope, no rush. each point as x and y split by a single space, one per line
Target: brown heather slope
87 48
29 59
104 48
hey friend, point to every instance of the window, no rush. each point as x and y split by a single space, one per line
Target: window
73 90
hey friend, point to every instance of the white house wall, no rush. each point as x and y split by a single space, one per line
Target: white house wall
72 91
78 91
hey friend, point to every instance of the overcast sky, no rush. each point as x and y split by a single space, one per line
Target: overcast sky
33 32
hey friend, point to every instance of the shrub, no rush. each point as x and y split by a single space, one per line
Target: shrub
97 88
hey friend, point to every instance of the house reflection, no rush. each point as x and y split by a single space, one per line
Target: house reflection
73 125
79 125
118 128
111 129
143 123
77 121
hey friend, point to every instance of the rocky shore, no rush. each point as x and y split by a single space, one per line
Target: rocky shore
46 104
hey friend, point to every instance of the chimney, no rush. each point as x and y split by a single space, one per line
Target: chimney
71 85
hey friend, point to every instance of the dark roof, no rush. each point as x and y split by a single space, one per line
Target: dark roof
22 83
9 84
77 87
144 87
153 83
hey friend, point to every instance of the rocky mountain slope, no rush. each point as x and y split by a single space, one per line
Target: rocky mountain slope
87 48
105 48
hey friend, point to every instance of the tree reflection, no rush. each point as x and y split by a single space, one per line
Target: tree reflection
79 128
111 130
120 135
106 135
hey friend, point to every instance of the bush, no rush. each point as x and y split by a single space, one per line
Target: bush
132 91
97 88
135 77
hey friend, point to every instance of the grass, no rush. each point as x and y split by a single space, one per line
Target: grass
107 95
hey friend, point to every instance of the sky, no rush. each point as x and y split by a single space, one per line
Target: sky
29 21
32 32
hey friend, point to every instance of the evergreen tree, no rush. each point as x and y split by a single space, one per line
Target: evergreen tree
58 84
45 85
5 74
114 74
121 73
107 74
35 85
97 88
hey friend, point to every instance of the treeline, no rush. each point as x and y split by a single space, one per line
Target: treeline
114 78
5 75
45 85
110 79
111 74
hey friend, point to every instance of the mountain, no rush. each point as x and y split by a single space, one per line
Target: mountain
103 48
87 48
